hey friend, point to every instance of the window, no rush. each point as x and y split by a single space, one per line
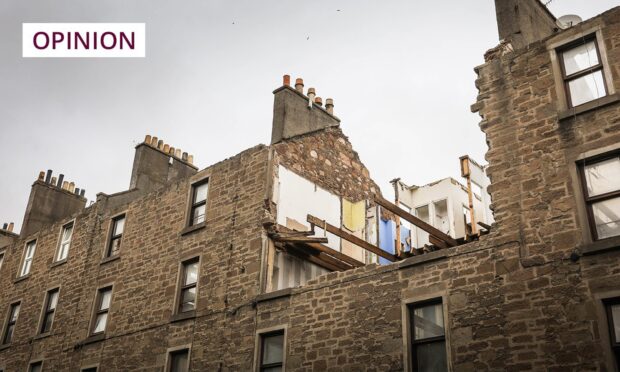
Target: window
189 280
178 361
10 324
28 257
89 369
51 300
272 351
467 220
1 259
422 213
442 222
428 340
65 241
36 367
601 185
102 308
582 71
116 235
613 322
199 203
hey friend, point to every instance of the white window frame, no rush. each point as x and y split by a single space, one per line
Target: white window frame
58 257
28 259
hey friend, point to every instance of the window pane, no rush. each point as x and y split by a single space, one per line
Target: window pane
30 248
106 295
47 322
191 273
607 218
428 321
199 214
580 58
188 299
587 88
119 226
615 314
431 357
8 336
63 251
66 233
100 323
115 246
53 300
200 193
441 216
26 267
603 177
272 349
14 313
178 361
35 367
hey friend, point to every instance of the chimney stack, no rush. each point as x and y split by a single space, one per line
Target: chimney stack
293 116
48 203
522 22
157 163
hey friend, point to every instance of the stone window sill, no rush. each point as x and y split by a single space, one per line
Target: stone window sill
589 106
600 246
183 316
110 259
5 346
92 339
42 335
21 278
191 229
273 295
426 257
58 263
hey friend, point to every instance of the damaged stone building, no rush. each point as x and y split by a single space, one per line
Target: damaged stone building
273 259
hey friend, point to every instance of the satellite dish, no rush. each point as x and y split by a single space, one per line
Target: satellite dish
568 21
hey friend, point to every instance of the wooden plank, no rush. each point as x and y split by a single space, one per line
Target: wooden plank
415 221
484 225
352 238
318 258
298 239
438 242
334 253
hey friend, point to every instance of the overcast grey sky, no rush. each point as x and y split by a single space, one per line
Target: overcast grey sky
400 72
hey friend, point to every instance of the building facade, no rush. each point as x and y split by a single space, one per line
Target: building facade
267 260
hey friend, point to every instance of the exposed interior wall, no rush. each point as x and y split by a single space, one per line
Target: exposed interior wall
296 197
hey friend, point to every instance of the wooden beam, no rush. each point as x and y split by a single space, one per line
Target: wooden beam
334 253
488 227
352 238
317 258
415 221
298 239
438 242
